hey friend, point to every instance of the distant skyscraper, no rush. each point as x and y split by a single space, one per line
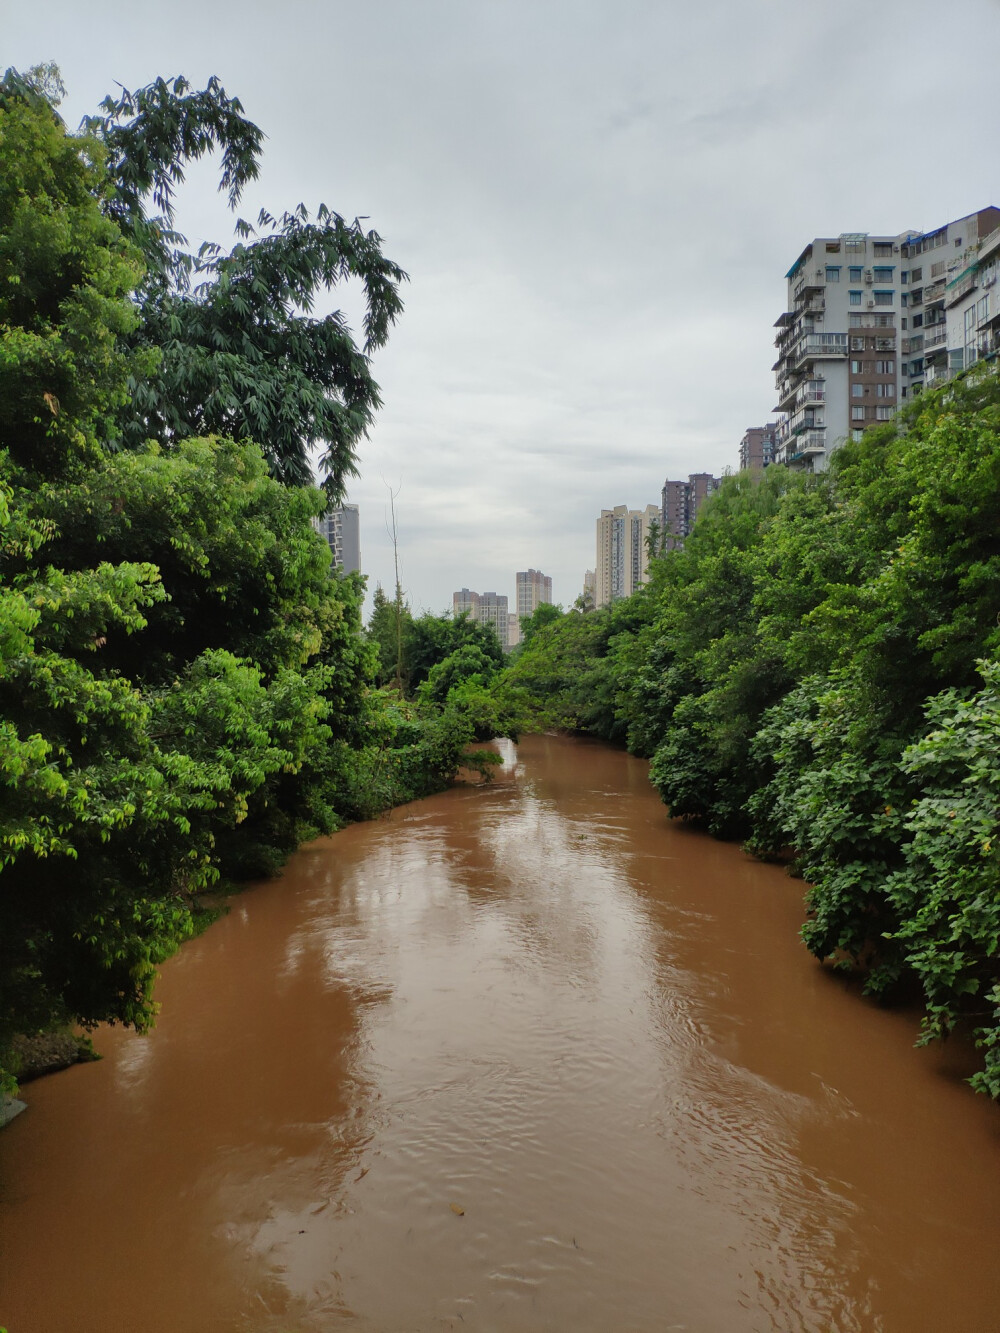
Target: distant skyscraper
493 611
621 551
342 529
465 602
489 608
679 506
533 588
758 446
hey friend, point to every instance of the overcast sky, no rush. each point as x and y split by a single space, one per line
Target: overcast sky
596 203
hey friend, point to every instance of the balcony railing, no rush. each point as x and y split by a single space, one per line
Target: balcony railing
811 392
935 292
935 339
812 442
937 374
820 344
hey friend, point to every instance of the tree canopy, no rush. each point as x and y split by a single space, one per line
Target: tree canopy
239 351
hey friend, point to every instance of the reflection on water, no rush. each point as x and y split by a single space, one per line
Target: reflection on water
593 1033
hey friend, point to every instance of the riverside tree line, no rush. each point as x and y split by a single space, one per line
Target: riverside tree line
185 689
817 674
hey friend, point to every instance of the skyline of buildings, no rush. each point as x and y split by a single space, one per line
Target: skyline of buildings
621 554
870 321
490 608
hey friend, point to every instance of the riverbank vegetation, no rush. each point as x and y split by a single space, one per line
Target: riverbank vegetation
817 673
186 692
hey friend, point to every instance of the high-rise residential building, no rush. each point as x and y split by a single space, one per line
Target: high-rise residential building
866 325
533 588
952 302
513 630
621 551
342 529
679 505
757 447
465 602
493 611
489 608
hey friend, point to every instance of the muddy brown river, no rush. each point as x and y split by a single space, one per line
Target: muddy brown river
519 1057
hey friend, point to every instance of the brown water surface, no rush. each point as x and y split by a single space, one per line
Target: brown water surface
595 1033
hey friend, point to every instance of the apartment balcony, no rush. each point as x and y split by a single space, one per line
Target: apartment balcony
936 339
812 391
803 447
935 292
815 305
812 442
961 287
935 375
819 346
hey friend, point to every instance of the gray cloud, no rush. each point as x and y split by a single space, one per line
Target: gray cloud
596 203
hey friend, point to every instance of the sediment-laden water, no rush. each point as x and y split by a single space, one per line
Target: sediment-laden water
521 1057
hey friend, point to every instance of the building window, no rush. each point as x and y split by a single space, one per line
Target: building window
855 272
984 306
856 365
885 390
883 249
857 414
857 344
916 274
857 391
856 434
854 321
884 413
883 274
904 277
833 247
855 298
918 321
832 273
885 367
884 298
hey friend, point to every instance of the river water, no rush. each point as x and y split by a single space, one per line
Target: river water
519 1057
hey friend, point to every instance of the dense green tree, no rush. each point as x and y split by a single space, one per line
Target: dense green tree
66 272
544 614
239 351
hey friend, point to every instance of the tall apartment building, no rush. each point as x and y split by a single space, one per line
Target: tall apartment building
465 602
865 325
533 588
493 610
489 608
621 551
342 530
590 587
757 448
679 505
951 299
